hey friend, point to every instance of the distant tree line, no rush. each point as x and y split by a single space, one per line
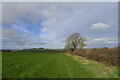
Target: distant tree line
35 50
42 50
5 50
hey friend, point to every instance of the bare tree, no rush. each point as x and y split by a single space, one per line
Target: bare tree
75 41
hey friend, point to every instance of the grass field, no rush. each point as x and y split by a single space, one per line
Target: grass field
53 65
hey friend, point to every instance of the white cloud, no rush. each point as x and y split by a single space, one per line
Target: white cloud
37 11
57 21
99 26
17 40
10 33
101 42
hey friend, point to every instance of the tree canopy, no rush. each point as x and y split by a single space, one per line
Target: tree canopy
75 41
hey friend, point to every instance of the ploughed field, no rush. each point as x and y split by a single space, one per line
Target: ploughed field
52 65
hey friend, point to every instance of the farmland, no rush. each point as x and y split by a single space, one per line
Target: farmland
53 65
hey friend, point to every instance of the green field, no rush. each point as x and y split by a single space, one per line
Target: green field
52 65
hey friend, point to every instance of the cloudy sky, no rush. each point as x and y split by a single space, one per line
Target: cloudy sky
48 24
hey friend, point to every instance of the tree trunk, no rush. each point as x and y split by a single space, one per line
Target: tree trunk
75 48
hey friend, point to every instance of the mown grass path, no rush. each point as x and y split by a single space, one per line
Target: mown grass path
68 69
52 65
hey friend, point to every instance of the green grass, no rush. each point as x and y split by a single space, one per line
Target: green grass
51 65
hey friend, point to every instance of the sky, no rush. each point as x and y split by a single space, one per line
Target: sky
47 24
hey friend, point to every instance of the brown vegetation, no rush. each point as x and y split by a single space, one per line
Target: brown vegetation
107 56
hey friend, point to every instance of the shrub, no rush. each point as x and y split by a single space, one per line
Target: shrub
107 56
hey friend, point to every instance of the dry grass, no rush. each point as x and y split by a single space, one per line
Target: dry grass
101 70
